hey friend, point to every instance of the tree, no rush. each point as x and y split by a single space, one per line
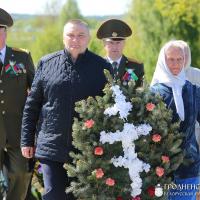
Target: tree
69 10
95 44
50 38
48 41
157 21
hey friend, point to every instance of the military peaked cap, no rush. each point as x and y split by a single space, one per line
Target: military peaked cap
114 29
5 18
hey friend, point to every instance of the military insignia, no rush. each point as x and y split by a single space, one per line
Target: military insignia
126 77
13 68
129 70
125 83
129 75
22 68
132 60
114 34
20 49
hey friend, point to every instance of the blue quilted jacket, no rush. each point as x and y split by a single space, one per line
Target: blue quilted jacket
49 109
191 99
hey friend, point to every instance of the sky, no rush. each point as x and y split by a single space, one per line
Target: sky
86 7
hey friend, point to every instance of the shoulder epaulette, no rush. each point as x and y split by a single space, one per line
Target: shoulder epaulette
134 60
20 49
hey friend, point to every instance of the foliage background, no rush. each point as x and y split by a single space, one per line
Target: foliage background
153 22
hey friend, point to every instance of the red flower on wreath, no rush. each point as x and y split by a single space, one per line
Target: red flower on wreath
165 159
89 123
98 151
110 182
156 137
151 191
160 171
136 198
150 106
99 173
119 198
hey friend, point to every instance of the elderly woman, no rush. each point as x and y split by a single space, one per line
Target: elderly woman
183 98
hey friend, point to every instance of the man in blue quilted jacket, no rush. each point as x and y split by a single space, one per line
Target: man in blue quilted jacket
62 78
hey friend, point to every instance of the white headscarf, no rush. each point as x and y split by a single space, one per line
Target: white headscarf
162 74
187 53
192 73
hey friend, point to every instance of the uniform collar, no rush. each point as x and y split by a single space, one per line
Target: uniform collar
111 61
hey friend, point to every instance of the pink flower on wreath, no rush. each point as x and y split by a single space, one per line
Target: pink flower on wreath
110 182
99 173
160 171
89 123
156 137
165 159
98 151
150 106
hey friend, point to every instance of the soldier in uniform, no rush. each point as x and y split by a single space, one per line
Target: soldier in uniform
16 75
113 33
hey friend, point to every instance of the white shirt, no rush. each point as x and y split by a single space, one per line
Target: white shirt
3 54
111 61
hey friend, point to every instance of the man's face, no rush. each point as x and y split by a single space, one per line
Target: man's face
76 38
174 60
3 35
114 49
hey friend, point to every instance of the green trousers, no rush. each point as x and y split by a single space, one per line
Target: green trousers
17 171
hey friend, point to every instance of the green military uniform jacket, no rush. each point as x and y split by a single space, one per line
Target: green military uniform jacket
15 79
136 67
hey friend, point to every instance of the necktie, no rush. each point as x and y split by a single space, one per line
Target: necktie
114 65
1 63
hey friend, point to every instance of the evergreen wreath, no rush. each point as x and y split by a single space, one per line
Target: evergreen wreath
127 145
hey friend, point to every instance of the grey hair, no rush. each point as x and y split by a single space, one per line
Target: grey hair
76 22
176 44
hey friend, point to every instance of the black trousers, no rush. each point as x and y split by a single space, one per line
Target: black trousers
55 181
17 172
